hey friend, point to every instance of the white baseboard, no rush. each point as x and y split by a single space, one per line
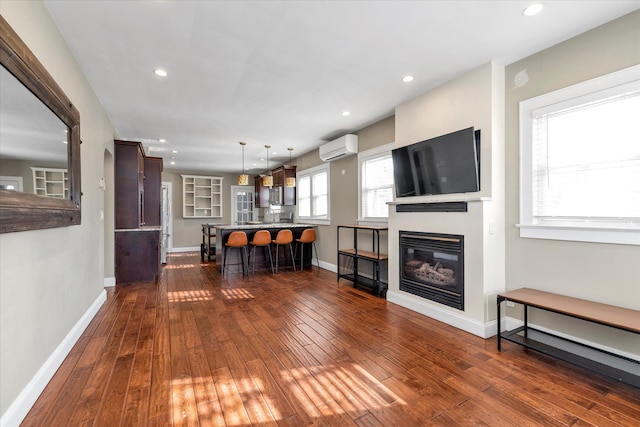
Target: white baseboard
20 407
325 265
186 249
509 323
481 329
109 282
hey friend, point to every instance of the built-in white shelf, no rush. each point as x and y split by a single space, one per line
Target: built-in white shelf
201 196
50 182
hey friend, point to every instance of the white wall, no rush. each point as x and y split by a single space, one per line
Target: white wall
50 278
605 273
474 99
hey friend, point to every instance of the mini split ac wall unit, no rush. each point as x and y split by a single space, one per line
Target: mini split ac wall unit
338 148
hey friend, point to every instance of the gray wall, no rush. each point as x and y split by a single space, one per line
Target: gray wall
344 188
50 278
186 231
605 273
23 168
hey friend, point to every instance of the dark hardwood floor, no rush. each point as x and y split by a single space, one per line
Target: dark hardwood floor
298 349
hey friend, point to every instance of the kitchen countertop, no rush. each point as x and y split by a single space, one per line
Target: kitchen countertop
265 225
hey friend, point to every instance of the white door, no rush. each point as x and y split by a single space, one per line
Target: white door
166 241
242 204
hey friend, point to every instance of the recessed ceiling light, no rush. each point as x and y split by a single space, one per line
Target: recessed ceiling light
160 72
174 151
162 140
173 163
407 79
533 9
346 113
65 142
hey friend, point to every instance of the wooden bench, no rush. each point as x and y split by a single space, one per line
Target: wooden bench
619 367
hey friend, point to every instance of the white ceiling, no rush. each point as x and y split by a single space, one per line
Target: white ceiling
282 72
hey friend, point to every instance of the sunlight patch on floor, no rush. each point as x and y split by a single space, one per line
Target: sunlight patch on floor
190 296
184 402
322 390
180 254
349 384
236 294
179 267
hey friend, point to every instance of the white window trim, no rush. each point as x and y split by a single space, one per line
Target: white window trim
310 219
363 157
583 233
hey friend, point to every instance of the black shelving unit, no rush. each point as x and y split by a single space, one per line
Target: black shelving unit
208 245
373 284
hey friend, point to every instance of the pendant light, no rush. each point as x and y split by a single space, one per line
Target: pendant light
267 180
243 179
291 180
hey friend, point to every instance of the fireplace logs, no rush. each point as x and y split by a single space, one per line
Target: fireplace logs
436 274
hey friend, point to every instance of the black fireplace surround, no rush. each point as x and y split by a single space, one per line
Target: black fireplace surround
432 267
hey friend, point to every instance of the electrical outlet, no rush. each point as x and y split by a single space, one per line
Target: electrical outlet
511 304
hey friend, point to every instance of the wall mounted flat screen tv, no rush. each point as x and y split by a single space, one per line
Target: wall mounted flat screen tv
443 165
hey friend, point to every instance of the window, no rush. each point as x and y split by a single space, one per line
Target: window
376 184
313 194
580 161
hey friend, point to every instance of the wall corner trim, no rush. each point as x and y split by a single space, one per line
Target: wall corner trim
109 282
20 407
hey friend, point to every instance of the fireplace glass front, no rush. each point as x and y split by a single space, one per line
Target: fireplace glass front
432 267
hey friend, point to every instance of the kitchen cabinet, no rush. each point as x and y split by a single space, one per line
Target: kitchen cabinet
129 184
137 255
286 195
152 186
137 183
262 193
280 176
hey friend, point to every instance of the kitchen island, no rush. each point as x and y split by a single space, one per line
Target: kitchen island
234 262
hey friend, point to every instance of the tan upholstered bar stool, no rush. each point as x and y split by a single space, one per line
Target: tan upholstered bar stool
262 239
237 239
285 237
308 236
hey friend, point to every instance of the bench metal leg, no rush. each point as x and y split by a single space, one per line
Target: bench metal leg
498 301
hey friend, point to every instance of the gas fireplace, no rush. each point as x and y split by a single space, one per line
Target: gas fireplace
432 267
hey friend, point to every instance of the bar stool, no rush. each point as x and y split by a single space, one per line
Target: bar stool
285 237
308 236
262 239
237 239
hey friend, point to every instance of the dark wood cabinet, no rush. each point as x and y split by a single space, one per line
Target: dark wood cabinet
152 185
129 184
280 176
262 193
137 255
138 181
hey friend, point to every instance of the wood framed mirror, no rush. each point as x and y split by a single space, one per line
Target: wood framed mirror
20 211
